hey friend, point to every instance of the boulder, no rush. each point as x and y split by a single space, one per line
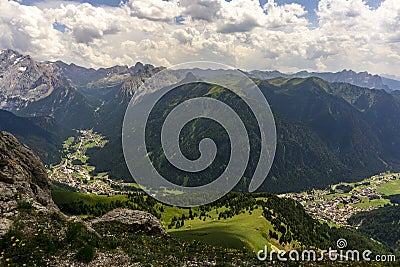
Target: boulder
131 221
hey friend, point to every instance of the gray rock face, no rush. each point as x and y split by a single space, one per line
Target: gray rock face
23 80
128 80
33 89
23 180
140 73
133 220
43 88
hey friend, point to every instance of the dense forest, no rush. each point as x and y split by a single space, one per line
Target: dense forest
382 224
327 133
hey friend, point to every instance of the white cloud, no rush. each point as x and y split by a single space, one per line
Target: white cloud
156 10
349 34
205 10
25 28
185 36
240 16
287 16
360 35
87 23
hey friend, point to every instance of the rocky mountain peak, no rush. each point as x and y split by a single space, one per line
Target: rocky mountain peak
362 79
9 54
135 80
138 66
23 80
117 70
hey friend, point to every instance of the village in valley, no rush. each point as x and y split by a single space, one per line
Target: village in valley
339 202
333 205
75 172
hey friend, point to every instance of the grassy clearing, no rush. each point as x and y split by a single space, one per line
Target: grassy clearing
390 188
63 197
90 145
243 230
69 141
366 203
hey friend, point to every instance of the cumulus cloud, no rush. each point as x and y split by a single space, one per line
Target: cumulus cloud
205 10
154 9
285 16
240 16
347 34
185 36
27 29
359 34
85 22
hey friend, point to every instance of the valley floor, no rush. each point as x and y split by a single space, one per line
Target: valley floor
74 171
217 225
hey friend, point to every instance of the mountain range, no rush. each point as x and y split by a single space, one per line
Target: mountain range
362 79
331 126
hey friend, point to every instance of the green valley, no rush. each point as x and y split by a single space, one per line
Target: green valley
76 173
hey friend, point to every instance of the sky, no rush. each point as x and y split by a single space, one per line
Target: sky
286 35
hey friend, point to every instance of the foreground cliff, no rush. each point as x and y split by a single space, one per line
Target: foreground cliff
23 181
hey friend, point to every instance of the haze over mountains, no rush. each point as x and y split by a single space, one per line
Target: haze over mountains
362 79
331 126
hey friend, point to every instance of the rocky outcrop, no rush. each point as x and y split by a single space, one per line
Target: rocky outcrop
23 181
131 221
139 74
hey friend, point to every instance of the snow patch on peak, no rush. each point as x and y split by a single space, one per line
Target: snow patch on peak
17 60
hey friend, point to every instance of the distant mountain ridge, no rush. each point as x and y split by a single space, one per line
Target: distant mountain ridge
107 83
362 79
65 91
393 84
24 81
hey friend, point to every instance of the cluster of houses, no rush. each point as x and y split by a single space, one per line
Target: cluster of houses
72 172
386 179
336 209
84 183
336 206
